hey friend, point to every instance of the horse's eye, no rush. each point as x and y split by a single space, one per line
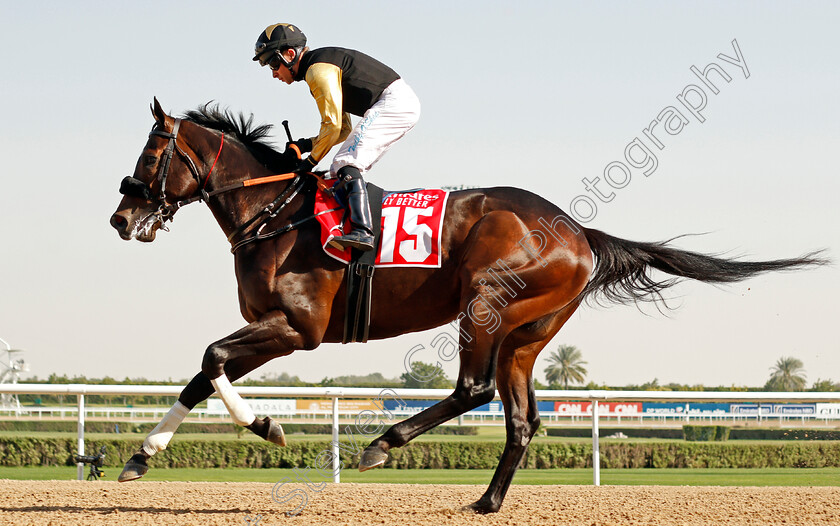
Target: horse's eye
150 160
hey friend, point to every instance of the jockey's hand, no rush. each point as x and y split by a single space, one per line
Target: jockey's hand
295 149
306 165
303 145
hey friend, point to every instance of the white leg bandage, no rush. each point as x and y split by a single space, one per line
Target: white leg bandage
236 406
160 436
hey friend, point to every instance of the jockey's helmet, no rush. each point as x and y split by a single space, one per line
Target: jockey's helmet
275 39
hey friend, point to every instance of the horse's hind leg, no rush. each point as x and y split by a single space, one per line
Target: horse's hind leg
483 329
476 386
516 389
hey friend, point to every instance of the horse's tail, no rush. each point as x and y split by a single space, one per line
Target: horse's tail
622 268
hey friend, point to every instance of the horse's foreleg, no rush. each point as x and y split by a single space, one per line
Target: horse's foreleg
197 390
269 337
200 388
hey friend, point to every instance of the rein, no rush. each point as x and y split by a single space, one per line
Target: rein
134 187
204 196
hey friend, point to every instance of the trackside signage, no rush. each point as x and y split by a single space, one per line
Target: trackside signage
774 409
267 406
828 410
672 408
585 408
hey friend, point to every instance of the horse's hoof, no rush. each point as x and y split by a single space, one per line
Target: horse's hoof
275 433
482 507
135 468
372 457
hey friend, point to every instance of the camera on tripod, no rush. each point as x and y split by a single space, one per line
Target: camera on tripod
95 461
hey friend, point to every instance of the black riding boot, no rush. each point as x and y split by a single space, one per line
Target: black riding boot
361 237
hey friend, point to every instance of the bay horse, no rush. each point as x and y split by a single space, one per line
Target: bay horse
292 294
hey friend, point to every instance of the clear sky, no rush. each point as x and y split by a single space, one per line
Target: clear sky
533 94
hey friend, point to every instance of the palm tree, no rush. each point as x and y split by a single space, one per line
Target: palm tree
787 375
565 365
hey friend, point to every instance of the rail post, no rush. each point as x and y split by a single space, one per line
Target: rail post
596 450
80 434
336 459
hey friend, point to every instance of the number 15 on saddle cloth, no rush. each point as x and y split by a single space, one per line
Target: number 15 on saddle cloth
412 224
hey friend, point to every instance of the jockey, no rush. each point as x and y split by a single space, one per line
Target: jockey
343 82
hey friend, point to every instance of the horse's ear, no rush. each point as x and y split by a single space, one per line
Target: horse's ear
158 113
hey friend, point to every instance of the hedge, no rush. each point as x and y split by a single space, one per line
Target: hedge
23 451
631 432
705 433
783 434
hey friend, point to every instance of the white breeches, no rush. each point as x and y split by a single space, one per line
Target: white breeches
387 121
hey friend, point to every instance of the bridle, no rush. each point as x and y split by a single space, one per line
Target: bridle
131 186
134 187
171 146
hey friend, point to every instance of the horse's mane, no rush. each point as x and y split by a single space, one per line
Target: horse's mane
256 138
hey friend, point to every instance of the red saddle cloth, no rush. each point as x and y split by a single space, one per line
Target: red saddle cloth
412 223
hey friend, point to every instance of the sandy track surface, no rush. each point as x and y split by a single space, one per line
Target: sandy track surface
165 503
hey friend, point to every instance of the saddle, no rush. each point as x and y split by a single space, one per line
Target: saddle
407 229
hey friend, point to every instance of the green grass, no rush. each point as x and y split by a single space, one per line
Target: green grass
632 477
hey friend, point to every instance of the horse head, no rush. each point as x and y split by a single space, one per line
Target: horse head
165 177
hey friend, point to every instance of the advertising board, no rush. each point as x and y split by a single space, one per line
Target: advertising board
267 406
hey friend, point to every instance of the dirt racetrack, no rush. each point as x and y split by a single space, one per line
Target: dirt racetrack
165 503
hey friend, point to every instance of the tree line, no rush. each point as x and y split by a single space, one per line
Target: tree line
566 370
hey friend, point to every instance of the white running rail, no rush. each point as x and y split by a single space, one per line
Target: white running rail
336 393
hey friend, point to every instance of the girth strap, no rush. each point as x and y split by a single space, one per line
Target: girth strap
360 277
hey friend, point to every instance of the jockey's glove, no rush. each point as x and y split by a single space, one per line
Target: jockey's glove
295 150
306 165
303 145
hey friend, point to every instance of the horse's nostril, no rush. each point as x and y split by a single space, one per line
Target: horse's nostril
118 222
